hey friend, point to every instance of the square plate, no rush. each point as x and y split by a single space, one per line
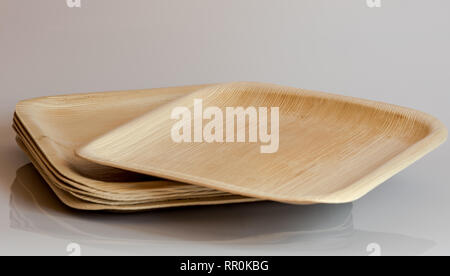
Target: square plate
332 148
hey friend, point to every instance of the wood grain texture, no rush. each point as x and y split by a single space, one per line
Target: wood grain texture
333 149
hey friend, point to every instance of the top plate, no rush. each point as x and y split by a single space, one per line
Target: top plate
332 149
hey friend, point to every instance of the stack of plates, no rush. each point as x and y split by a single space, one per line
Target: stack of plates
49 129
114 150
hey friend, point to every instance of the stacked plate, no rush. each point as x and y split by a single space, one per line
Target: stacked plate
49 130
114 150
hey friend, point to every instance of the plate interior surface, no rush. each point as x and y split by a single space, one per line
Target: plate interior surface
332 148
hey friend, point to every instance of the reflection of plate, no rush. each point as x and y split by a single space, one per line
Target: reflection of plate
258 228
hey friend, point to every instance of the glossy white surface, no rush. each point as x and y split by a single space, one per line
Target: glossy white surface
397 53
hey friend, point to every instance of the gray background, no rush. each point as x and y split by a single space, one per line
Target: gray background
398 53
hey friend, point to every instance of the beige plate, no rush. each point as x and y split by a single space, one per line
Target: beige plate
332 149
